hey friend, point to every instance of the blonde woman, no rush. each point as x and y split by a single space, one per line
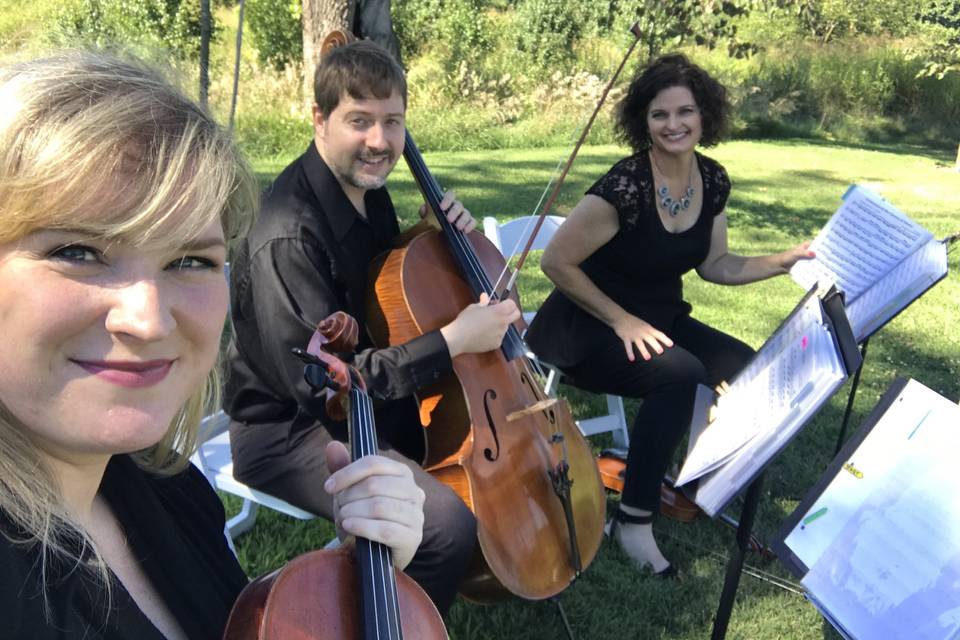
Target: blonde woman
118 197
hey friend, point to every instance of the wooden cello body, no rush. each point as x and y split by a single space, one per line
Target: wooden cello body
491 433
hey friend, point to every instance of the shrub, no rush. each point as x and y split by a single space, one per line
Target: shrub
277 31
549 29
173 25
456 30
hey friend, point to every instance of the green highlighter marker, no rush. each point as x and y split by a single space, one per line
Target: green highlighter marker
813 516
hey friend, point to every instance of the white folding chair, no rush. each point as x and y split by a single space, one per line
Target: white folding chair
214 460
510 238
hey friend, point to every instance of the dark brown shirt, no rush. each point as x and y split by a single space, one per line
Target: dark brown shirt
307 257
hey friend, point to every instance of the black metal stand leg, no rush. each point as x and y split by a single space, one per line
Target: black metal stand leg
735 565
853 393
563 616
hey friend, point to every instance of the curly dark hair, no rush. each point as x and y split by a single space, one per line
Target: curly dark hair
672 70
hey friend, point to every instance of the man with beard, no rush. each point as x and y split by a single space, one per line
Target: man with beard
324 219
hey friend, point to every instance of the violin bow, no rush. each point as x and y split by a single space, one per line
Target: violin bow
635 30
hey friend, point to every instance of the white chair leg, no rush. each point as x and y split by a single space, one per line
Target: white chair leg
229 538
333 544
243 521
621 435
553 381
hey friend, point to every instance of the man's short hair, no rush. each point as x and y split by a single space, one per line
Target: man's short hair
362 70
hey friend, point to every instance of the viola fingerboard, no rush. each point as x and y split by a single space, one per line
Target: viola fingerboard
378 581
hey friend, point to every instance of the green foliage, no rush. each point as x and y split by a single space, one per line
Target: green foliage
672 24
549 29
455 30
827 20
19 20
945 13
173 25
270 135
277 31
940 51
861 92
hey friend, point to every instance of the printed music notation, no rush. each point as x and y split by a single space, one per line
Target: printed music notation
773 390
877 256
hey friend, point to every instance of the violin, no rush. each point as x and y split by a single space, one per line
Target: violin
341 594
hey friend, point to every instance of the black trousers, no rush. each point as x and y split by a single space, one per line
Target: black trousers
449 528
667 384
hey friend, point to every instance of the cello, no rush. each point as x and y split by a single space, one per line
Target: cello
515 456
338 594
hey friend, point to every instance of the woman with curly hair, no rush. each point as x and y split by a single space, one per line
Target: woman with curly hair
118 198
617 322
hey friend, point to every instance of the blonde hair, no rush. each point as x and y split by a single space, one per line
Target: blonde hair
76 127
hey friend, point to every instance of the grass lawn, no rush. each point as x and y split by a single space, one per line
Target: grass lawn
783 192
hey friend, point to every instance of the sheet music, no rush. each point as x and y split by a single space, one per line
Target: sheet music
861 243
821 373
883 541
897 289
764 394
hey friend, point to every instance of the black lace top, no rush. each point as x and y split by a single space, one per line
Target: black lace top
640 268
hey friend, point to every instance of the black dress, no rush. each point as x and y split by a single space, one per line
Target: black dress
174 526
640 269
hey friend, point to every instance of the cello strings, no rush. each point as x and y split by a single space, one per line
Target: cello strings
457 237
461 242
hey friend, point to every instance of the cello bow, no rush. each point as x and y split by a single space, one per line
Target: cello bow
635 30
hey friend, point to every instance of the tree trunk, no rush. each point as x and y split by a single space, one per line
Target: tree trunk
205 20
957 166
320 17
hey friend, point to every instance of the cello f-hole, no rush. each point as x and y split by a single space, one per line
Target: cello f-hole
489 454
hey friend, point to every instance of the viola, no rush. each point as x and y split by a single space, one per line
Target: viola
341 594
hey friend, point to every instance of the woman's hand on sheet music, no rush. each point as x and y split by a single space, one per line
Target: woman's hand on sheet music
791 256
636 333
376 498
721 390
